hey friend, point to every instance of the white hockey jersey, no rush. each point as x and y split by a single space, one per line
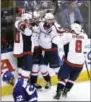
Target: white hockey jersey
74 51
46 36
35 35
22 43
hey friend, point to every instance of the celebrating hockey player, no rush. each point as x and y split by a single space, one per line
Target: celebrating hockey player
23 52
47 33
23 45
73 59
48 51
38 60
23 91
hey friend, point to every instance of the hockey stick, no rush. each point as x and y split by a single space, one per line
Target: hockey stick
87 66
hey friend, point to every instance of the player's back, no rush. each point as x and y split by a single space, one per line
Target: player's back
76 48
24 92
18 92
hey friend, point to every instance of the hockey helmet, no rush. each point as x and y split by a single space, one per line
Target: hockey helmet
7 76
49 17
36 14
26 16
19 11
77 28
17 23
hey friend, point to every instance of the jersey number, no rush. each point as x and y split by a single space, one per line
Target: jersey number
19 98
17 37
78 48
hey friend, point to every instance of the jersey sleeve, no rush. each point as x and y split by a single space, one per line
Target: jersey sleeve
27 31
85 42
31 92
19 95
63 39
35 36
35 40
53 33
20 25
85 36
16 24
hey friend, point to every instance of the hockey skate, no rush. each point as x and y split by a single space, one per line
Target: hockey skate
58 95
38 87
48 85
64 94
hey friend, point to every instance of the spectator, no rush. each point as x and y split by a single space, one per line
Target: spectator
4 44
80 2
64 4
84 8
71 14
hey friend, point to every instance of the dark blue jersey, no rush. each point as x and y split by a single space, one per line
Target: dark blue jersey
24 92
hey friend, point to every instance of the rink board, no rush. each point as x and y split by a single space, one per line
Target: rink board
9 62
6 90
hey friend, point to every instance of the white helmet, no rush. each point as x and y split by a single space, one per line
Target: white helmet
26 16
36 14
49 17
77 28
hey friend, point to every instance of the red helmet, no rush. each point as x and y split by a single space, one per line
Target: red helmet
19 11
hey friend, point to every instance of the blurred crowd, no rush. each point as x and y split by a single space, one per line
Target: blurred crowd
66 13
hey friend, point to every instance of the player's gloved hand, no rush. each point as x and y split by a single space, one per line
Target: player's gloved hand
22 26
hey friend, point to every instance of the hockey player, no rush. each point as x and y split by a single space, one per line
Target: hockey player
50 49
23 45
23 91
19 12
73 59
38 60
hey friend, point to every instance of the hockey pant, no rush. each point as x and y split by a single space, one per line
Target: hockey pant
25 63
67 75
35 72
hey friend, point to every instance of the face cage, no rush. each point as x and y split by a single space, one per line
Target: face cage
26 21
50 21
76 32
31 21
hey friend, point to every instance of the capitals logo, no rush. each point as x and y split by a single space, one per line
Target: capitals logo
89 57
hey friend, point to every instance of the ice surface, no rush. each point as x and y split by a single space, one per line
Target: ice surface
80 92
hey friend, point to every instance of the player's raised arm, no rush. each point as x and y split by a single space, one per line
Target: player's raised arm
63 38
